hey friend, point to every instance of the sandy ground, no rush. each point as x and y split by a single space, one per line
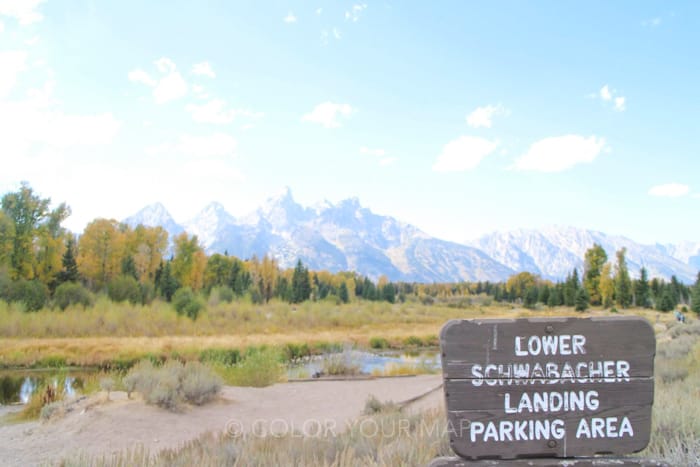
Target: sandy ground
101 428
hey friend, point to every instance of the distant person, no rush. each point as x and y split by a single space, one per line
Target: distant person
680 317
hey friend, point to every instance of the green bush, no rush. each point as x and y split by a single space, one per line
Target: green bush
33 294
123 288
378 343
72 293
186 303
222 356
413 341
220 294
294 352
258 369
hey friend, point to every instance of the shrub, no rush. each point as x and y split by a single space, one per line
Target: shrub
220 294
341 364
222 356
199 384
374 406
413 341
50 410
173 383
186 303
258 369
378 343
72 293
123 288
32 293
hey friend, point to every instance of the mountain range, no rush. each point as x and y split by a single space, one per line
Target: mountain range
347 236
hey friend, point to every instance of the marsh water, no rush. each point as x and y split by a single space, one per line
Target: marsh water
17 386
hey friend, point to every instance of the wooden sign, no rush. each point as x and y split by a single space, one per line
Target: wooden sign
548 387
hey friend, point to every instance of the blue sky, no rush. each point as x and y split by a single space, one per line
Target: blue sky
459 117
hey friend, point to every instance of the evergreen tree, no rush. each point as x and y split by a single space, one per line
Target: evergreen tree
666 301
389 293
571 287
641 290
623 283
581 299
69 273
530 299
301 284
553 299
695 296
343 293
167 284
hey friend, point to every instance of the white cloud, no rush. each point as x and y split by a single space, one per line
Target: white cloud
203 69
290 18
33 125
2 26
165 65
388 161
373 152
354 13
483 116
606 94
620 104
327 114
140 76
25 11
319 11
560 153
336 33
12 63
168 88
215 111
214 145
463 153
669 190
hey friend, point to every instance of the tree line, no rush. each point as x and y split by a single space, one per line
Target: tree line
42 263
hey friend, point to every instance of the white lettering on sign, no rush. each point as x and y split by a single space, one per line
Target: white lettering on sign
565 401
548 373
517 430
607 371
550 345
599 427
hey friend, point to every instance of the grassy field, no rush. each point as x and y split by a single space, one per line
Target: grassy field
117 335
110 334
392 438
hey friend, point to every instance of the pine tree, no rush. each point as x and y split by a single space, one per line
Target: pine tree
343 293
623 283
666 302
641 290
301 284
581 299
69 273
695 296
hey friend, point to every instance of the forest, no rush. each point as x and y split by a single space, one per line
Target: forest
44 265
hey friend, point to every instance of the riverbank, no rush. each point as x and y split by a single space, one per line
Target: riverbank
96 427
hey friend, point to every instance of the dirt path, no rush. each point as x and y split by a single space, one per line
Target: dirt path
105 428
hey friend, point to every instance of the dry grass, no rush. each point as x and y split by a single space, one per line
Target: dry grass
117 335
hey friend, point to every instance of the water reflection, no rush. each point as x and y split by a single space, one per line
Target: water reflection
18 387
368 363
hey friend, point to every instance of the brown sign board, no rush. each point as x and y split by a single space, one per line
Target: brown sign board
548 387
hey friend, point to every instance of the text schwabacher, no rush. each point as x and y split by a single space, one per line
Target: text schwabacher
560 387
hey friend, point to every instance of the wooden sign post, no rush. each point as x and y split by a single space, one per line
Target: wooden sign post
548 387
